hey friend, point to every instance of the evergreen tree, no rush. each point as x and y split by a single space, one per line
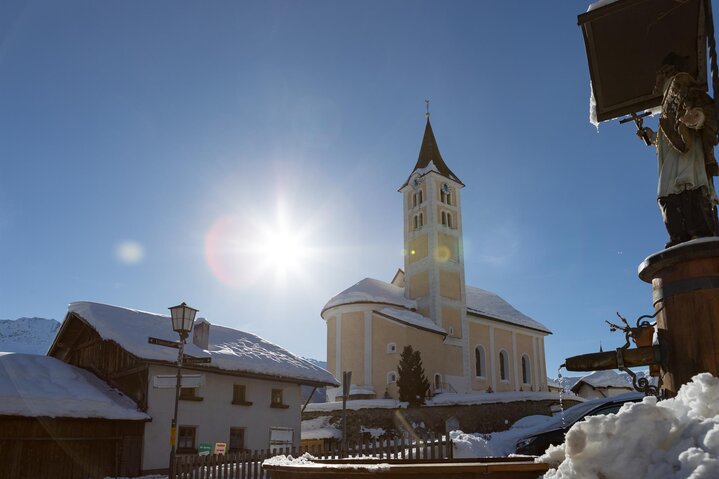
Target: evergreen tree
412 383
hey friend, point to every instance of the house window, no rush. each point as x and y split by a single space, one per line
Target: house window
189 394
239 395
237 439
277 399
391 377
526 371
503 366
281 437
391 348
479 361
451 330
437 382
186 438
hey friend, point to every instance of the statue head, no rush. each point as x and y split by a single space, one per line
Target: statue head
671 65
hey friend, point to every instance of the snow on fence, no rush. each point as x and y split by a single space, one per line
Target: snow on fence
248 465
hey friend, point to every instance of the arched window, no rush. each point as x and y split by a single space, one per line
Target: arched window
503 365
391 377
449 199
443 197
437 382
526 371
414 200
449 220
421 219
444 218
479 361
415 221
420 197
391 348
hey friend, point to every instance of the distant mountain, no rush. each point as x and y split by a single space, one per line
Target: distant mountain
320 395
27 335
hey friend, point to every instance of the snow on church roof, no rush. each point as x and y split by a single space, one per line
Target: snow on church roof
489 304
412 318
41 386
371 290
230 349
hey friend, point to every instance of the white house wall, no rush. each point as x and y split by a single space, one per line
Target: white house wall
215 414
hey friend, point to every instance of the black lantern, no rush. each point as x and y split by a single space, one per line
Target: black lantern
183 317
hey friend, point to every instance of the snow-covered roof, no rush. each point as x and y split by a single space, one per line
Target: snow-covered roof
489 304
603 379
412 318
371 290
230 349
42 386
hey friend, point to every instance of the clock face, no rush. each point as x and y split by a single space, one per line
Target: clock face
445 187
416 181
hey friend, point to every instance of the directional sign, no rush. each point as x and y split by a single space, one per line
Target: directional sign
204 449
193 360
169 381
164 342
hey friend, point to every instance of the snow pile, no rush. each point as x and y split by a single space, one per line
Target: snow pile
375 432
230 349
42 386
489 304
371 290
320 428
675 438
471 445
304 459
466 445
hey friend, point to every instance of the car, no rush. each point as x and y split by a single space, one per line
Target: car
552 431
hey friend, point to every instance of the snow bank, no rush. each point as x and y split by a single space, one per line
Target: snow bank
375 432
320 428
466 445
42 386
675 438
281 460
471 445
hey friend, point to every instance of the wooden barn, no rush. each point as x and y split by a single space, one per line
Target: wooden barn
57 420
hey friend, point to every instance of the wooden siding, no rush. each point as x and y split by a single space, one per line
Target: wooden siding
69 448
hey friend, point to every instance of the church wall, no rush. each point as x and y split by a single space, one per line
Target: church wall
449 284
384 332
448 248
524 346
479 336
419 284
503 340
332 345
452 318
418 248
353 345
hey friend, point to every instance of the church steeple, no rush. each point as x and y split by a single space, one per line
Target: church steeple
430 159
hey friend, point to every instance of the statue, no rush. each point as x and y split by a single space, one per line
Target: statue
685 153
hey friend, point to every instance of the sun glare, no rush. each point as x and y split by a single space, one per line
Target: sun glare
244 251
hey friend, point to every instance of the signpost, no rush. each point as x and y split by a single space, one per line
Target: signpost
346 381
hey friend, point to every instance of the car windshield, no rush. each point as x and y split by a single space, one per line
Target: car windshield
578 411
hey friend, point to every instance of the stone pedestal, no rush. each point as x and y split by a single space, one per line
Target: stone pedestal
685 287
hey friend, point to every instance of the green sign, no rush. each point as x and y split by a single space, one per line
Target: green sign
204 449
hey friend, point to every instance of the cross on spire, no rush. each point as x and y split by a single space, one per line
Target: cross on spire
427 105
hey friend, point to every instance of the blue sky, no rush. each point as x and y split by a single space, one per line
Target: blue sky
182 129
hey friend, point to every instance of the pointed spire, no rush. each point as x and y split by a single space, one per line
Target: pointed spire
430 157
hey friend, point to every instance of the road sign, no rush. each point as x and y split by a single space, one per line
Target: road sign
220 447
164 342
193 360
169 381
204 449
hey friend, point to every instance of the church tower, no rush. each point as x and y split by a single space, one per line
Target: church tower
434 258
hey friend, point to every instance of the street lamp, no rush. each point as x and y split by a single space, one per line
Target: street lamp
183 317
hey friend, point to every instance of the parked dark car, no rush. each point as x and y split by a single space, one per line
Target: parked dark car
554 430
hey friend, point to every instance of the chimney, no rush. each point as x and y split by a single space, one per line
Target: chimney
201 333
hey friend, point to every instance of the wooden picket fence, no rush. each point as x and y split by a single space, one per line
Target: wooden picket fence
248 465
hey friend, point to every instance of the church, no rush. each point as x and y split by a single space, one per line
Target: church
471 340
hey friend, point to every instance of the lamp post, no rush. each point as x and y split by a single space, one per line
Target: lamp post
183 317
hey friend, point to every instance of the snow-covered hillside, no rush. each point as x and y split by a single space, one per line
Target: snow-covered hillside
27 335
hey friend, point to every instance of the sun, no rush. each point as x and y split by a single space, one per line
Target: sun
267 246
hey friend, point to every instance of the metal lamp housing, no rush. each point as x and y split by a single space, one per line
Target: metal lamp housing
183 317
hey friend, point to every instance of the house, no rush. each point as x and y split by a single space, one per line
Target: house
601 384
470 339
58 420
554 386
247 397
